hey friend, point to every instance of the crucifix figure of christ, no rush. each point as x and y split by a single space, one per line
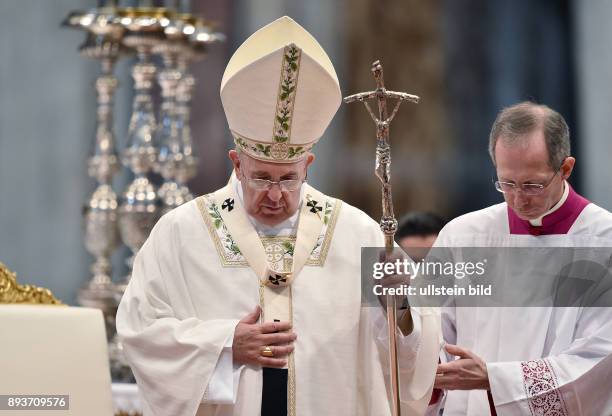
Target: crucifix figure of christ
388 223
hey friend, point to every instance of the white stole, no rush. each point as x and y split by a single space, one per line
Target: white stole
275 287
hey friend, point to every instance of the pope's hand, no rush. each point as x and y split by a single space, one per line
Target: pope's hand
469 372
250 338
393 281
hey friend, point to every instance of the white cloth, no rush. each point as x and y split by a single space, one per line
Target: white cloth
189 289
534 355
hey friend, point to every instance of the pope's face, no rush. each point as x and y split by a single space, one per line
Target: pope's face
527 162
273 206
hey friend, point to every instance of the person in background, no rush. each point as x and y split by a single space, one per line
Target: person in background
417 231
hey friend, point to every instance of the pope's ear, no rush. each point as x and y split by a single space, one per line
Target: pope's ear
233 155
309 159
567 167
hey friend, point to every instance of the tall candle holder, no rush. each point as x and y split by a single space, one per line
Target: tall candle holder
171 155
200 38
103 42
178 39
139 210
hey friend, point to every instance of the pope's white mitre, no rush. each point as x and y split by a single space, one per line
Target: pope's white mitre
279 92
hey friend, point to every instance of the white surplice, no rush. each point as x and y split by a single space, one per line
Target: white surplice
537 358
191 284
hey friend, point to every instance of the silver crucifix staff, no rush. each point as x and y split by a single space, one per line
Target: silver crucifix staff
388 223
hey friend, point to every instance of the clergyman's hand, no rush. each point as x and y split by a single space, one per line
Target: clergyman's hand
250 338
469 372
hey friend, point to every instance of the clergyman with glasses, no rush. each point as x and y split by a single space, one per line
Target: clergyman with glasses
247 301
526 361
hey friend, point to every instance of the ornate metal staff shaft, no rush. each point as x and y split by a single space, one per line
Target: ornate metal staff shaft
388 223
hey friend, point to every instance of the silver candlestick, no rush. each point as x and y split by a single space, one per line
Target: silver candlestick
139 209
171 156
103 42
199 41
101 232
184 94
176 161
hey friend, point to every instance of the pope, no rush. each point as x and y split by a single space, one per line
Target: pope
247 301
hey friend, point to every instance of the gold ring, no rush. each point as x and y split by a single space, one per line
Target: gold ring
267 352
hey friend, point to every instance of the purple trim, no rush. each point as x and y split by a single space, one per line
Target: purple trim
559 222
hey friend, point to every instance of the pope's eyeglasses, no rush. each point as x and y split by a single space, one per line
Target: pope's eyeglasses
286 185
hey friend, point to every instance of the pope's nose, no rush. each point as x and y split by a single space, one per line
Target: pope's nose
274 193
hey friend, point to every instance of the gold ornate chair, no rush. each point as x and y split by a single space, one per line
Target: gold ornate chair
12 292
48 348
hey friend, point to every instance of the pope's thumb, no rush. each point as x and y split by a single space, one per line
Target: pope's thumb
252 317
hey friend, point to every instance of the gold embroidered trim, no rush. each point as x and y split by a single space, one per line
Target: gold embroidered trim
279 252
222 240
262 286
222 250
287 88
277 152
329 233
291 408
13 292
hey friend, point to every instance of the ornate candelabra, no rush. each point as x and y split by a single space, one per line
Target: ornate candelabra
103 42
139 209
186 40
199 41
171 156
178 39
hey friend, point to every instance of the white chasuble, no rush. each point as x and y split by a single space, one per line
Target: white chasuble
537 358
205 267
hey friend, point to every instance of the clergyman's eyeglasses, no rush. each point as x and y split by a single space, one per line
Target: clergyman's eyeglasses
526 188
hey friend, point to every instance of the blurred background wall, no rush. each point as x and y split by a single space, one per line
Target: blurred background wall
466 59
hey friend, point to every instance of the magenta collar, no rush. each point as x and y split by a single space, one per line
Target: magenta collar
557 222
